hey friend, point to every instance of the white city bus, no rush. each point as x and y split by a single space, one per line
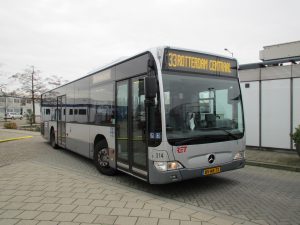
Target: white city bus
164 115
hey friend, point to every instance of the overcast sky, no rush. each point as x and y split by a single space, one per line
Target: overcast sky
71 37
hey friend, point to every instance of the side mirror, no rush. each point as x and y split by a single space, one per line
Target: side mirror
150 87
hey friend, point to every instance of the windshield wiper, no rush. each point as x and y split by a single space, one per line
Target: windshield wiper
185 141
226 131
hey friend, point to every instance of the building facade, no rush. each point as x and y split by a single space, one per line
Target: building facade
18 105
271 96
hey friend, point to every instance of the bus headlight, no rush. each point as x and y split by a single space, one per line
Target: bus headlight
164 166
239 155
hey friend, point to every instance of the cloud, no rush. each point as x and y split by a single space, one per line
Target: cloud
71 37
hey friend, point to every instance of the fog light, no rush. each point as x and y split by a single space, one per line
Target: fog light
239 155
173 177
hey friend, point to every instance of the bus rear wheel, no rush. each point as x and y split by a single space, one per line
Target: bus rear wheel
52 140
101 158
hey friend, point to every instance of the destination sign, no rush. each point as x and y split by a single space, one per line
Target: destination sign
177 60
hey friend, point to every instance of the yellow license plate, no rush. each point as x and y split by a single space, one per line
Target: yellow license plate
213 170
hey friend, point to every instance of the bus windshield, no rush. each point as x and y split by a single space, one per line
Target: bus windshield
202 109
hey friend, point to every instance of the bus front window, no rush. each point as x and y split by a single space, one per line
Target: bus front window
202 109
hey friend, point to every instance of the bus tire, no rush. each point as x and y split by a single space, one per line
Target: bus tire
101 158
52 140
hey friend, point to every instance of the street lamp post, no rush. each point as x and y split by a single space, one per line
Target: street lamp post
226 49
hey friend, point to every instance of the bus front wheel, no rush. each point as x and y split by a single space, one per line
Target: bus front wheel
101 158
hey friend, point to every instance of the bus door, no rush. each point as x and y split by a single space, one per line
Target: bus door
61 121
131 127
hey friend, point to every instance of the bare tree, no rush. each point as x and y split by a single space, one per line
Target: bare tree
14 93
2 88
56 81
31 84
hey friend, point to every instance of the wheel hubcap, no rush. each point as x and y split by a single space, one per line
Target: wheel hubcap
103 158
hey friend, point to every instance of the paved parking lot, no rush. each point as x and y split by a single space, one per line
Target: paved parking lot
32 193
259 195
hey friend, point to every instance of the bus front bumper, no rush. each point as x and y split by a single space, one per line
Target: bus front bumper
158 177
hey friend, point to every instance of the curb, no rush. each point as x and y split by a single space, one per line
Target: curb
273 166
15 139
16 131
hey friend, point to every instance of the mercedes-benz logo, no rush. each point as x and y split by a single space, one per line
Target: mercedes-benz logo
211 158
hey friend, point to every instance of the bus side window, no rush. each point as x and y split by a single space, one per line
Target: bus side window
102 97
82 111
55 114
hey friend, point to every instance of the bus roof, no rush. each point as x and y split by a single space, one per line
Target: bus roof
155 51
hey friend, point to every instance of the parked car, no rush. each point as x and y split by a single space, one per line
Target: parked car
13 116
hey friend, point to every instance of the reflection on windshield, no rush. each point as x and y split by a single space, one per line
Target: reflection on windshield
202 109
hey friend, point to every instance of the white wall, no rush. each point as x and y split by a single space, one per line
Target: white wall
251 110
296 102
275 113
276 104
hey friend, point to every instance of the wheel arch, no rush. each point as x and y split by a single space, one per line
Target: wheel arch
111 169
51 130
100 137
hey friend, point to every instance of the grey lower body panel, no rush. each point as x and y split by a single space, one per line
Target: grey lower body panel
193 173
157 177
